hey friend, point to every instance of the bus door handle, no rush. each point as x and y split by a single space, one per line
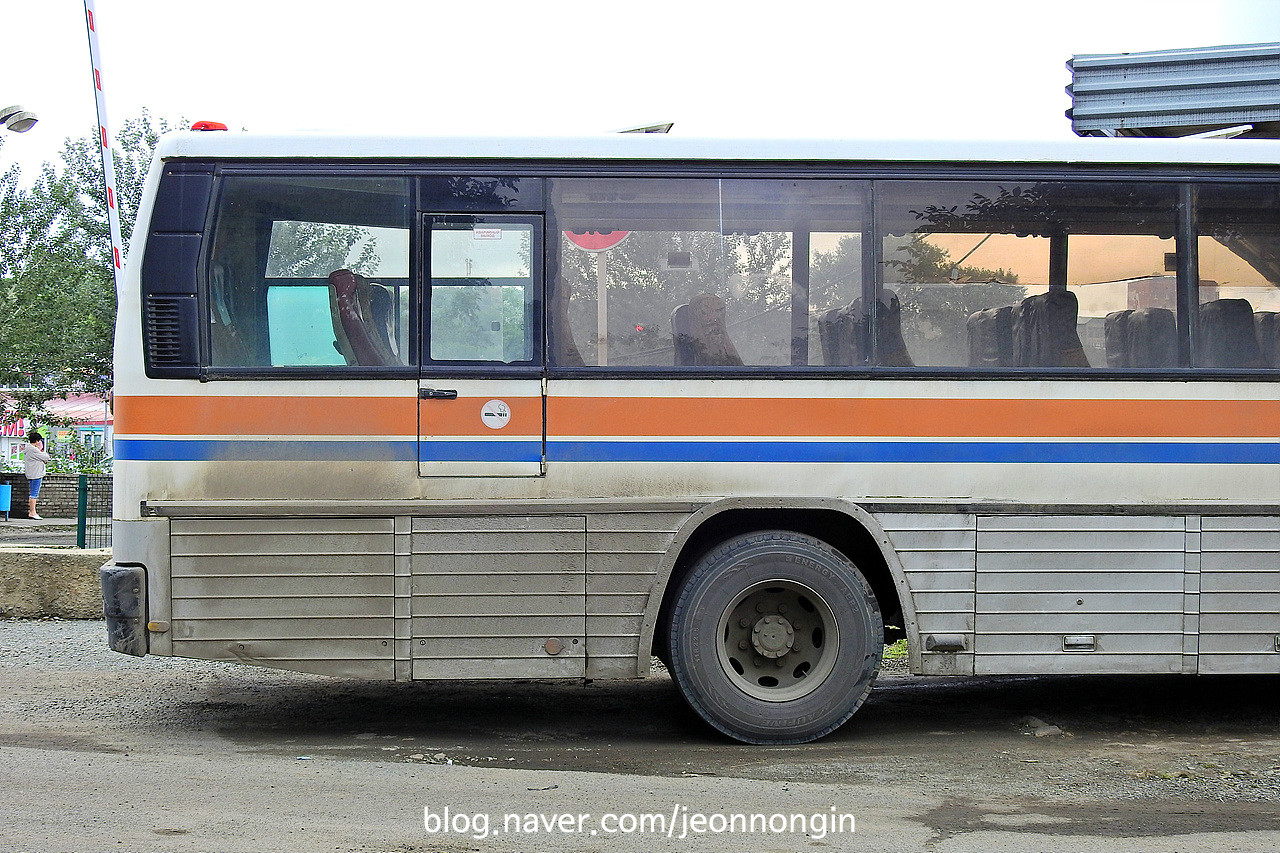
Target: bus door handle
437 394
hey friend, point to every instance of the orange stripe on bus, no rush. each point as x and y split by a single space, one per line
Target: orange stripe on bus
906 418
317 416
699 416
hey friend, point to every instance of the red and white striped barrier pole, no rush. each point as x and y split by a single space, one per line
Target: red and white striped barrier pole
104 140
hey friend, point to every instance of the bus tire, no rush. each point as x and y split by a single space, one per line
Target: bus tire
775 637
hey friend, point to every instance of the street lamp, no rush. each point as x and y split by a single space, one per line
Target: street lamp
17 119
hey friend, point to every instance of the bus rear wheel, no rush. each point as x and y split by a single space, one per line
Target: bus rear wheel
775 637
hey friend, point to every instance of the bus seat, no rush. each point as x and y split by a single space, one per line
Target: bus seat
991 337
842 333
351 332
1227 335
1044 331
340 341
701 334
891 348
230 348
1267 327
1116 335
1141 337
682 333
565 352
378 307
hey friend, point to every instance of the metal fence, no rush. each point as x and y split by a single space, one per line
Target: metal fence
93 511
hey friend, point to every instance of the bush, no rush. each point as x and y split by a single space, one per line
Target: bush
72 457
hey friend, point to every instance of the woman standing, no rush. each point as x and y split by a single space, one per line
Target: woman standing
34 459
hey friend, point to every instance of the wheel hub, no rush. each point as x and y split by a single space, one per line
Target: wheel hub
772 636
778 640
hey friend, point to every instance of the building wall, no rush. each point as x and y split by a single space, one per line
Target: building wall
60 495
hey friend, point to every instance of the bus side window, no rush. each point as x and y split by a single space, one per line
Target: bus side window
1239 276
707 272
484 290
278 243
1033 275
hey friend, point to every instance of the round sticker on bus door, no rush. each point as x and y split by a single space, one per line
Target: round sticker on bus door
495 414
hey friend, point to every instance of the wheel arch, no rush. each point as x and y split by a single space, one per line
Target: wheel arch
843 525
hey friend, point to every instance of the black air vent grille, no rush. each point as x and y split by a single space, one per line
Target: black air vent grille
170 331
164 330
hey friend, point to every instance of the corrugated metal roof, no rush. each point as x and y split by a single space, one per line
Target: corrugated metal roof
80 409
1177 92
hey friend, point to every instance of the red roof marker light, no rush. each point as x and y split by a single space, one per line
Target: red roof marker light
208 125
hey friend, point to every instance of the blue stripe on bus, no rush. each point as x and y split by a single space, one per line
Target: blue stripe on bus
1023 452
239 450
292 450
480 451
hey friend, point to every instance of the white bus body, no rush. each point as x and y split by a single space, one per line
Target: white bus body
385 408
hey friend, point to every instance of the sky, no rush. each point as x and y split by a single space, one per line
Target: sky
939 69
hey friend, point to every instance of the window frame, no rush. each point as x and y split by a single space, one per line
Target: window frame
536 313
1181 179
1185 177
210 371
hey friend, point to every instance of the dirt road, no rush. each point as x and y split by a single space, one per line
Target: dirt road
101 751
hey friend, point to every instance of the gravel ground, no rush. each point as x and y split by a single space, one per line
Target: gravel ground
1097 757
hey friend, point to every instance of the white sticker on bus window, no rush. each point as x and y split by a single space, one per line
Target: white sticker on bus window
486 234
495 414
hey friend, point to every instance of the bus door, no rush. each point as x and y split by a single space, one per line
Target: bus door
480 399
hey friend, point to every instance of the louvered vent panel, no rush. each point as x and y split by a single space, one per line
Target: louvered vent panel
164 331
170 331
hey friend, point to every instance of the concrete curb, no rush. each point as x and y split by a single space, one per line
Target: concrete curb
51 582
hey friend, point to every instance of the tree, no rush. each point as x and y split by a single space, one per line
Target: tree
931 283
82 174
936 295
57 292
652 272
314 249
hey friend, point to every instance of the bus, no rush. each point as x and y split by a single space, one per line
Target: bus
451 408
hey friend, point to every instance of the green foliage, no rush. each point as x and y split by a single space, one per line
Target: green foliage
835 277
931 283
929 263
82 176
70 456
896 651
752 273
314 249
928 281
479 322
1036 209
57 292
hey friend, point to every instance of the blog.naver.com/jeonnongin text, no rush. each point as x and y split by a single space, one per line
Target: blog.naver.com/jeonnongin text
679 822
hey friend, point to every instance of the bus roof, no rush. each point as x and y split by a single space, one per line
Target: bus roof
658 147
